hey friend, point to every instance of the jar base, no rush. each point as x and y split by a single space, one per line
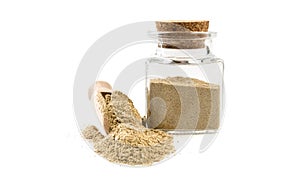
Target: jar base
190 132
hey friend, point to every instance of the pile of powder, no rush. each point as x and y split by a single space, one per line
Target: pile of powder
130 145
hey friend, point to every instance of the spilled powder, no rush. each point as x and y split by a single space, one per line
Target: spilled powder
130 145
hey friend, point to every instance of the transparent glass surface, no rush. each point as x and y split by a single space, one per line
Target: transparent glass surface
184 87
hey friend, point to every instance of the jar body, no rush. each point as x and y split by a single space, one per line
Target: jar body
184 90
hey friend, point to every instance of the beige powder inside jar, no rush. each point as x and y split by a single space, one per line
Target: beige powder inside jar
189 104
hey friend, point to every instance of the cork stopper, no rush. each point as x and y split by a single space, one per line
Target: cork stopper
181 26
182 34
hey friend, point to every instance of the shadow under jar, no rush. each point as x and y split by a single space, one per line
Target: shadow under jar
184 83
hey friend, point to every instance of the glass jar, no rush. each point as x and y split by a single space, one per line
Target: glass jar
184 83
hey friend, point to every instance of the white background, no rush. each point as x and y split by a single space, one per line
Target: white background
42 43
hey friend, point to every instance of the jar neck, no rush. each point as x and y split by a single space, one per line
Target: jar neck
184 55
184 46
